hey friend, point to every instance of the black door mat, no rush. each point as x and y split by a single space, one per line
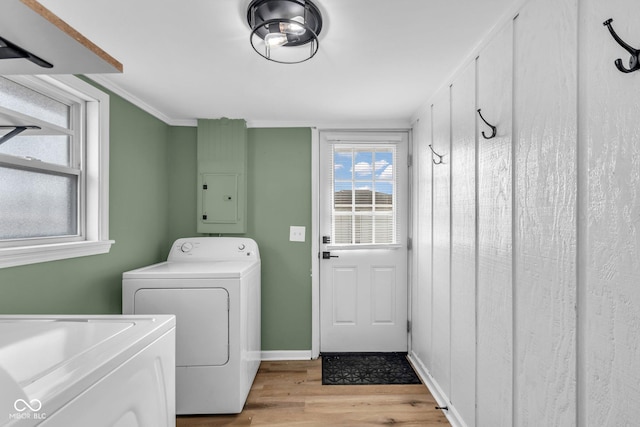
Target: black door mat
367 368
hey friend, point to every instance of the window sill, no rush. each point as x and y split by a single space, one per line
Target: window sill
11 257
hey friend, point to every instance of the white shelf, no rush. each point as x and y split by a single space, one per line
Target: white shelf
29 25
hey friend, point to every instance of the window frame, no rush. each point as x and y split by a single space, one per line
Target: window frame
92 160
363 146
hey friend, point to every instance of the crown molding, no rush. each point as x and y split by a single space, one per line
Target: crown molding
328 124
355 124
104 81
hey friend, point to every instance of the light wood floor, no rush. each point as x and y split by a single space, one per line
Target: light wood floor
290 393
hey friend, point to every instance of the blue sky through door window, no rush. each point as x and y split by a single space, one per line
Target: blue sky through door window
364 187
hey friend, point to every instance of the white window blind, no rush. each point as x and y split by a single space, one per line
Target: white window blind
363 185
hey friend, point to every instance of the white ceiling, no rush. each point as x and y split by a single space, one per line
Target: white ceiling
378 62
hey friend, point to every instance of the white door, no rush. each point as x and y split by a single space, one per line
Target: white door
363 229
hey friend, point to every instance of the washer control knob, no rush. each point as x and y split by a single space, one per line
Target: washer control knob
186 247
241 246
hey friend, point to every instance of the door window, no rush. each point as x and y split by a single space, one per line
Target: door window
364 195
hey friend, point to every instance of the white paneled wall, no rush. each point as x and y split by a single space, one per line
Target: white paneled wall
441 266
526 286
544 240
494 280
463 243
422 289
610 218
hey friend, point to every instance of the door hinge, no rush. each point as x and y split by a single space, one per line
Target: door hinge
409 243
204 187
408 326
409 160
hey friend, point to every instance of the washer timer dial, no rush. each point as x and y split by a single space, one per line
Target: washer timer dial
186 247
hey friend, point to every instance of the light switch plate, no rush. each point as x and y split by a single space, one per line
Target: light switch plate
296 234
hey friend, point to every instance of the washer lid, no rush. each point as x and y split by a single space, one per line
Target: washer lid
55 358
193 270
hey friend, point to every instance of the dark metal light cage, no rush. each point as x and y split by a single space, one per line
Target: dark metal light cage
261 14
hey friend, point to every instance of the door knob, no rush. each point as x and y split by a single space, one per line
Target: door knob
327 255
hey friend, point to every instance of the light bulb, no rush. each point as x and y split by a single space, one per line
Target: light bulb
293 28
275 39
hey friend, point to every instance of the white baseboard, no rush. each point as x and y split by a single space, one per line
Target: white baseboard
287 355
441 398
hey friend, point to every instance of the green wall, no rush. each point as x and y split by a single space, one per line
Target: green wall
278 196
153 202
183 173
137 222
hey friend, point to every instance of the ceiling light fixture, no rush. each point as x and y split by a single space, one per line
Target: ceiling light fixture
284 23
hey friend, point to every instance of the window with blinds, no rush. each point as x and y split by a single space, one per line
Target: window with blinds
363 184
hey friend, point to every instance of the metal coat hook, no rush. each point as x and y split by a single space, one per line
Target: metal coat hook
634 61
493 128
436 154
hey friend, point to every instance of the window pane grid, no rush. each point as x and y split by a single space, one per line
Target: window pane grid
363 195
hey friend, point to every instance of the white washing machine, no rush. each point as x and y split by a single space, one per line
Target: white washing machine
212 285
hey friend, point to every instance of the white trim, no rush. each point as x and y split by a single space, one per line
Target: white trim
351 136
452 414
365 124
11 257
315 243
96 169
27 163
97 154
391 138
286 355
113 87
46 128
411 237
332 125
